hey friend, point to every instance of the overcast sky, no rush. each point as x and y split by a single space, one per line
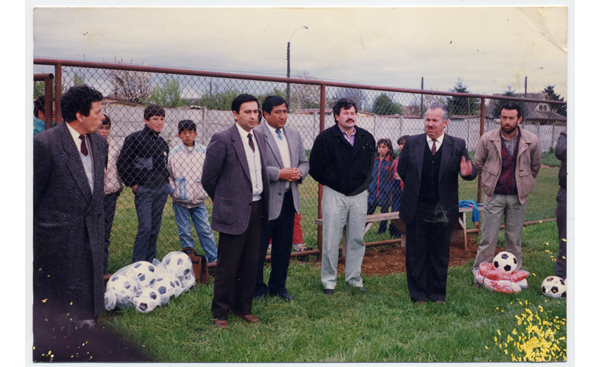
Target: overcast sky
489 48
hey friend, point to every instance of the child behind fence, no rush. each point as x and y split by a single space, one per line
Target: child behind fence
185 171
397 187
380 189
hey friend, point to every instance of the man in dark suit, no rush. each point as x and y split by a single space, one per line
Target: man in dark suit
236 179
287 166
429 165
68 216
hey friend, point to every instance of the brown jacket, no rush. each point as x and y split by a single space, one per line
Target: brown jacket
488 160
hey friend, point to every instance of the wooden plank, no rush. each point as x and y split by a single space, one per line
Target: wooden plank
459 232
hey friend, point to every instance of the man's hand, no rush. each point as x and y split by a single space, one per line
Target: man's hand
134 188
290 174
465 167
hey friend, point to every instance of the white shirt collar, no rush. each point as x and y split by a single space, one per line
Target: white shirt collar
244 133
75 135
273 129
440 139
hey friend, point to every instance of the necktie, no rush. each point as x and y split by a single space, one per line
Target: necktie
279 134
84 149
433 148
251 142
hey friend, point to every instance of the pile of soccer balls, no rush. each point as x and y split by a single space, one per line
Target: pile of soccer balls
502 275
145 286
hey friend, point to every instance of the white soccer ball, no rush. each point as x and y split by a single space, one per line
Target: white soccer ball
177 263
143 273
110 299
165 287
187 281
146 300
505 261
554 287
178 287
123 287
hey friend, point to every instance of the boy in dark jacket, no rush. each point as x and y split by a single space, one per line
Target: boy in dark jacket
142 166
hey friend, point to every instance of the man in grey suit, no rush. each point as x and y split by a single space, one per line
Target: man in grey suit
236 179
287 166
68 216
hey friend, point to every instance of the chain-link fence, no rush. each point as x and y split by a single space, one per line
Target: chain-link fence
205 98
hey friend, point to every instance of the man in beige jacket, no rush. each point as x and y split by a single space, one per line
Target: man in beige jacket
509 159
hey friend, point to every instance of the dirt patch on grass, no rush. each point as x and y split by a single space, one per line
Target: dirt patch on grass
392 259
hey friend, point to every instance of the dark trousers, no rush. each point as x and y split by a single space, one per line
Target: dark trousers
110 206
385 207
427 259
561 221
281 233
235 274
149 206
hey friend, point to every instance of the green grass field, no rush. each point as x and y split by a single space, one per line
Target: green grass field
475 325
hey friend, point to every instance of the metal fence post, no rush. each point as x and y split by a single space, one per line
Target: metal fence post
481 132
58 91
322 103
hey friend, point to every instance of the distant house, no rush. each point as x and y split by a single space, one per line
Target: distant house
534 113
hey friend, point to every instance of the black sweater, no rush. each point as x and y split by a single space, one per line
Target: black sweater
343 167
143 159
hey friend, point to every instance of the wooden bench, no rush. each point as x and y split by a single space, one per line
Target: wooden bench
459 232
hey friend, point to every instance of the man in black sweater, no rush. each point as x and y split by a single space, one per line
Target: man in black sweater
341 160
142 166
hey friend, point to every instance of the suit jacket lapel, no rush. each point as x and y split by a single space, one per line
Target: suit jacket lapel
74 163
419 150
238 145
99 164
292 143
272 144
446 152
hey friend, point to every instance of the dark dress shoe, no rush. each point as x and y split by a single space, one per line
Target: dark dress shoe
328 291
284 296
362 290
249 318
221 324
261 297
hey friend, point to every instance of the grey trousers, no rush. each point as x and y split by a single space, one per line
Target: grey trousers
507 207
338 211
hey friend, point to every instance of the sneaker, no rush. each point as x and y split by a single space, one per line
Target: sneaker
269 249
299 247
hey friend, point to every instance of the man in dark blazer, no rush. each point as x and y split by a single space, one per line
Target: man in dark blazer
287 166
236 179
68 216
429 165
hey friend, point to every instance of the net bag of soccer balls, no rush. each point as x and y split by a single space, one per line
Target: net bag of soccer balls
145 286
501 275
554 287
